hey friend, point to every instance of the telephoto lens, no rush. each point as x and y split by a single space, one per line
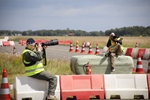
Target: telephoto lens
50 43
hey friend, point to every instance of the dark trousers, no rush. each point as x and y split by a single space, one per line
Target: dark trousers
52 79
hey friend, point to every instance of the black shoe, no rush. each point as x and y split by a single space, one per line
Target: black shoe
112 69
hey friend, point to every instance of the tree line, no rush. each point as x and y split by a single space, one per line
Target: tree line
124 31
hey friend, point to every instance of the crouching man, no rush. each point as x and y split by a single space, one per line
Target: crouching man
115 48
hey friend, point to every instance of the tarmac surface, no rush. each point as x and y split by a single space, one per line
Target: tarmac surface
60 52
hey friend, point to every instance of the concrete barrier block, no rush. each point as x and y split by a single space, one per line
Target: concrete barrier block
147 54
141 52
1 43
27 87
135 52
82 87
126 86
6 43
128 52
12 43
101 64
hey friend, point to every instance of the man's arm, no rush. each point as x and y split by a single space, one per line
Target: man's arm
119 40
115 38
33 56
108 43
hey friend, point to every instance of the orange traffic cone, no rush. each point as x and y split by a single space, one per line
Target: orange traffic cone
148 71
97 50
139 68
71 47
83 49
90 49
77 47
4 90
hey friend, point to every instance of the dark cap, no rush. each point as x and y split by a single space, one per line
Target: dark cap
30 41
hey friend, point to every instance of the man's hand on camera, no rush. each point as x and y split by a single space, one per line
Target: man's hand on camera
39 47
44 47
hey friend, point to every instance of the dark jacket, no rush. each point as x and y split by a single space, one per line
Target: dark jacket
31 57
114 38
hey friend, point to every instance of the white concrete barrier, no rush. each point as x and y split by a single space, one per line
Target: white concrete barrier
147 54
101 64
134 53
12 43
1 43
27 87
126 86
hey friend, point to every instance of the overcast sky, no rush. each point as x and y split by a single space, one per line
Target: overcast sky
88 15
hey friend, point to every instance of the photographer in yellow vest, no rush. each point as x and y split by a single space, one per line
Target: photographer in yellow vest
115 48
34 67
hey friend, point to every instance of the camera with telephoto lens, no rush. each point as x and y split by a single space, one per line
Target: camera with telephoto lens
50 43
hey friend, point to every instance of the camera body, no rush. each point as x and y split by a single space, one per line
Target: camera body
50 43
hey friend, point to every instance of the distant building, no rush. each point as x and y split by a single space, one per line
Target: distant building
71 34
18 34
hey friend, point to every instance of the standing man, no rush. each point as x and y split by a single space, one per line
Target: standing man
34 67
115 48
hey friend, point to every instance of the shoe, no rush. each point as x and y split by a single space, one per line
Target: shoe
112 69
51 97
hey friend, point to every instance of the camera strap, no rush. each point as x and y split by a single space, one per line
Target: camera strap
44 57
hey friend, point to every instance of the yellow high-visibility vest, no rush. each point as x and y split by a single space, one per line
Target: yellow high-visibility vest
113 43
33 69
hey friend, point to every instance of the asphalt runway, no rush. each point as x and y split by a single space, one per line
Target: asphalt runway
60 52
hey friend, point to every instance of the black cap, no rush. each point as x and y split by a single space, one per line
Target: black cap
30 41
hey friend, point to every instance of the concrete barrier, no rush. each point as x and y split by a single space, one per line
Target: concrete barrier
82 87
101 64
12 43
6 43
108 86
27 87
148 82
126 86
146 54
143 52
134 53
1 43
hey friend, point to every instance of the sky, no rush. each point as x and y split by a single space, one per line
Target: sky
87 15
